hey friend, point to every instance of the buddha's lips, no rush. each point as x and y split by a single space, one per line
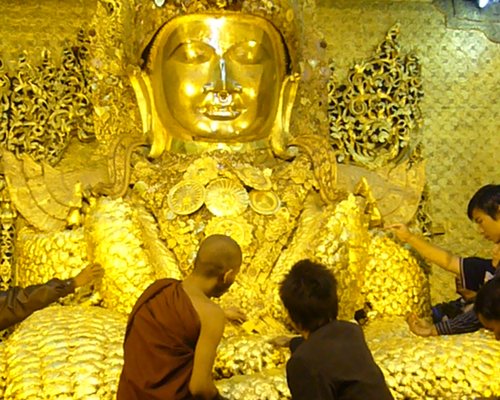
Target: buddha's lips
220 113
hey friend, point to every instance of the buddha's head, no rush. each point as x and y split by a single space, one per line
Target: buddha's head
216 79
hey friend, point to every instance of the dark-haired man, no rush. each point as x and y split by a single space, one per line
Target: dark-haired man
174 329
487 306
332 361
458 316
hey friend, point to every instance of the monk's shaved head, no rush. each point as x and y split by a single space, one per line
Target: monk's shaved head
217 255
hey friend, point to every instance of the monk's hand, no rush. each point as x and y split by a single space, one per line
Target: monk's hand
420 327
89 274
234 314
280 341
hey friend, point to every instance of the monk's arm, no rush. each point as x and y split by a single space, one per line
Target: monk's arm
212 320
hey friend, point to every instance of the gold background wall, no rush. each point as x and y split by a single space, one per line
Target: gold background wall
34 25
460 67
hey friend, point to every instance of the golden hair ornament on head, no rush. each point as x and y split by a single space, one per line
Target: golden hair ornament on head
150 15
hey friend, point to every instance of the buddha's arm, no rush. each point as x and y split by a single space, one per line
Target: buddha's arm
305 236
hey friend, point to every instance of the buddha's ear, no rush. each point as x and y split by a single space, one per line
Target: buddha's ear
281 127
141 83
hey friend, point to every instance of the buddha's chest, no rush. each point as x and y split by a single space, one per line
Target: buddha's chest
257 206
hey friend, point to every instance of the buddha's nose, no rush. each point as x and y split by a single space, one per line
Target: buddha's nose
223 73
221 83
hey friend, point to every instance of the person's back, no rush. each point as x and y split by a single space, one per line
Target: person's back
332 360
159 345
174 329
337 361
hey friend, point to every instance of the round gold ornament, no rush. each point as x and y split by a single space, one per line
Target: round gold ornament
186 197
226 197
264 202
253 177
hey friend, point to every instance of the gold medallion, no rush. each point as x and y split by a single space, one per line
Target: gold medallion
186 197
226 197
253 177
264 202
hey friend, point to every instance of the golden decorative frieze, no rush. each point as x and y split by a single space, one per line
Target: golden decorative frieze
375 118
44 106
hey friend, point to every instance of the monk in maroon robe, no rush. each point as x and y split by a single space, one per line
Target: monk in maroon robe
174 329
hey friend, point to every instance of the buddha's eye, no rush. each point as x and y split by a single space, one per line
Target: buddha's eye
248 53
192 53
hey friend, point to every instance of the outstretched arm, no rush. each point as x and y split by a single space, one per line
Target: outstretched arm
433 253
212 320
16 304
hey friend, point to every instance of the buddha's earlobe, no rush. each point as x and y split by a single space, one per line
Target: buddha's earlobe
281 127
151 126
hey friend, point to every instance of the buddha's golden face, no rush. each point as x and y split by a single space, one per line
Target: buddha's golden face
217 78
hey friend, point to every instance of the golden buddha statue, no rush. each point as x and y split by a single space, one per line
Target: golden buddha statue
215 114
216 94
222 88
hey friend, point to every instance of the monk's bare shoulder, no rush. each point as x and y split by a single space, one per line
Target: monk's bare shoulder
209 311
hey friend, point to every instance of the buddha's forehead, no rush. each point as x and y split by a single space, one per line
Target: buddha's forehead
219 31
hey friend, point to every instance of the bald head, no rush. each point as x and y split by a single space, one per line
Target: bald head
217 255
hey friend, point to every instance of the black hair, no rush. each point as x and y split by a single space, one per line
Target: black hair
309 293
486 199
487 301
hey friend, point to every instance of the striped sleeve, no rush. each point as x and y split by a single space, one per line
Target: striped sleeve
463 323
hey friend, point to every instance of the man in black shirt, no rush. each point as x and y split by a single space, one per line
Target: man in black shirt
333 361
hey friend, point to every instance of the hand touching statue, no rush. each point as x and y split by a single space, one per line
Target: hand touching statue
234 314
401 231
89 274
